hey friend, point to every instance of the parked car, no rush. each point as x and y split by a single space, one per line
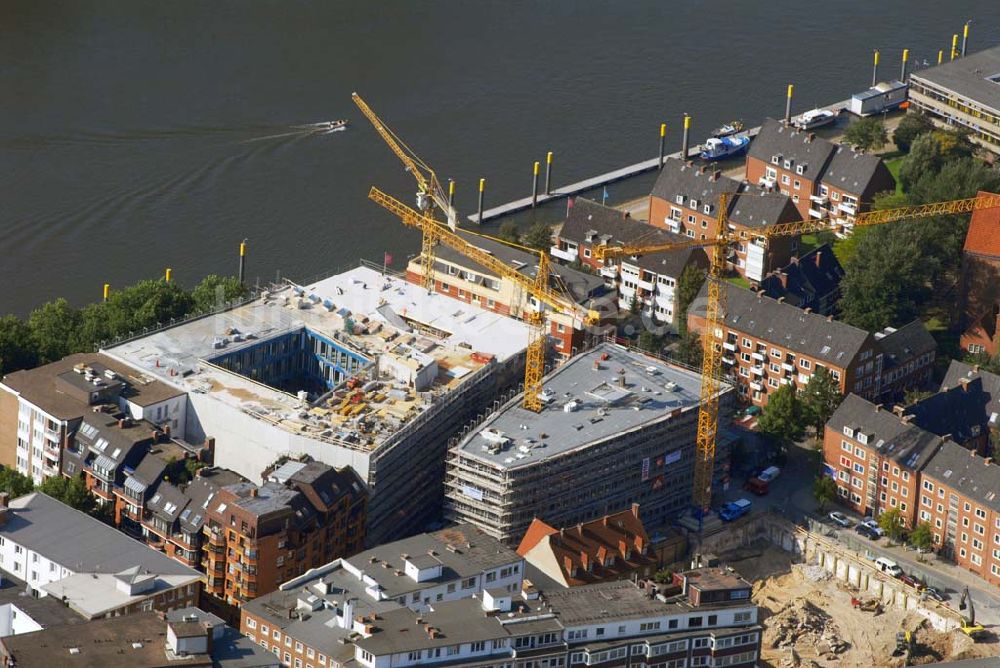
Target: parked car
912 581
876 530
737 508
769 474
866 531
757 486
888 566
840 518
936 594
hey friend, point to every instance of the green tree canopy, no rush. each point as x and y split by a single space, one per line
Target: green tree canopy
215 290
17 349
891 522
54 328
538 236
922 536
910 127
866 135
14 483
689 350
71 491
820 398
782 417
824 491
924 158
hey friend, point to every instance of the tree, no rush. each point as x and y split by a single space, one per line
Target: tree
71 491
633 306
824 491
781 418
14 483
866 135
538 236
820 398
924 158
891 522
914 395
922 536
509 232
910 127
215 290
54 330
663 576
17 349
146 304
688 287
649 341
688 350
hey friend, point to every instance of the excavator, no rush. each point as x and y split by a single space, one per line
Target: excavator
969 626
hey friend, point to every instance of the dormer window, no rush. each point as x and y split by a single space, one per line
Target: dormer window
848 432
775 159
708 208
788 164
679 199
799 169
694 204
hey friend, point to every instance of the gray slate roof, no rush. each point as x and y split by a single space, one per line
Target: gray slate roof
966 472
775 138
958 411
905 443
852 171
756 208
909 341
833 342
679 178
808 279
969 77
79 542
990 384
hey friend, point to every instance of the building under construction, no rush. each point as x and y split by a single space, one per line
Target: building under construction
359 369
618 427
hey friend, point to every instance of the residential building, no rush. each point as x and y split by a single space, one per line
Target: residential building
961 374
185 637
41 408
705 619
461 278
649 279
963 93
94 569
309 618
257 537
617 427
822 178
685 200
360 369
768 343
20 612
103 448
811 281
614 547
965 408
981 283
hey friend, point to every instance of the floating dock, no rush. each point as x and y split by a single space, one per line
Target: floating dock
603 179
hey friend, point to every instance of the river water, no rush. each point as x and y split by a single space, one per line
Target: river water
140 135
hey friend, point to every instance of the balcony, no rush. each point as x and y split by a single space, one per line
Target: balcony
729 360
849 209
766 182
757 387
645 285
609 271
730 346
816 213
757 356
819 199
757 370
568 255
788 367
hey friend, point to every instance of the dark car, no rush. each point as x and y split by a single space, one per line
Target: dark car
866 531
910 580
936 594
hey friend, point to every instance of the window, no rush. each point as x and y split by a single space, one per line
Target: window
251 623
478 646
784 179
805 364
694 622
469 583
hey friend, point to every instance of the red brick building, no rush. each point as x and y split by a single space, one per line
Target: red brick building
981 283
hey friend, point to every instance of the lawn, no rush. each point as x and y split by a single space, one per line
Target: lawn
894 164
740 281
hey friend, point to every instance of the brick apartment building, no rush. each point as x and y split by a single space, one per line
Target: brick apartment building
649 279
811 281
461 278
685 200
822 178
41 408
305 515
768 343
981 283
881 460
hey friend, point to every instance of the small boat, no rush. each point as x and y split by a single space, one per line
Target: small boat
727 130
724 147
814 119
330 126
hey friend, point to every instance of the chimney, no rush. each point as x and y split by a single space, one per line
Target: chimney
716 174
906 419
975 368
783 277
819 258
253 492
988 461
122 423
635 510
621 377
702 169
878 408
604 520
808 309
781 299
829 318
964 383
811 136
972 453
898 410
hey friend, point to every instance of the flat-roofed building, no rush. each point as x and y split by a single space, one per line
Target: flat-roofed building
360 369
963 93
617 427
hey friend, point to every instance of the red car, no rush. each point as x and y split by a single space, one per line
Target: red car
757 486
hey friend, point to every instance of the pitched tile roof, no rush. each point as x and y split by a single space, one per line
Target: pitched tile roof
678 178
960 411
959 371
833 342
757 208
807 279
964 471
853 171
805 149
885 431
904 343
983 237
581 551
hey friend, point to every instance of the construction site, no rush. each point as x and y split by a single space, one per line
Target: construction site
814 620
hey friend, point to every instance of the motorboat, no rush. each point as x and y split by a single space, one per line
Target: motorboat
725 147
727 130
815 118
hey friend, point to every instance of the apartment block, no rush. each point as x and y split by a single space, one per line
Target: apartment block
311 618
94 569
41 408
704 619
461 278
767 343
617 427
257 537
651 280
811 281
186 637
685 201
963 93
823 179
980 297
360 369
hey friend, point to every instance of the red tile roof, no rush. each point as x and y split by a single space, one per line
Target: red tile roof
582 551
983 237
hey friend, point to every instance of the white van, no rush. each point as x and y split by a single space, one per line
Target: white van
769 474
888 566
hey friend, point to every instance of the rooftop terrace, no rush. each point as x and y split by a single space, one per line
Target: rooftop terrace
596 395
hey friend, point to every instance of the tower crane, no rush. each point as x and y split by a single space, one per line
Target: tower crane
711 368
430 194
434 232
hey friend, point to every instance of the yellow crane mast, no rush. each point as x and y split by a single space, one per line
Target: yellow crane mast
434 232
711 368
